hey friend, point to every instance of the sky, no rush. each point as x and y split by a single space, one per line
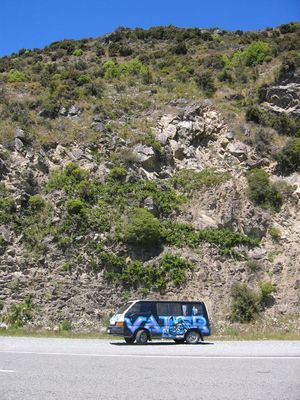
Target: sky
36 23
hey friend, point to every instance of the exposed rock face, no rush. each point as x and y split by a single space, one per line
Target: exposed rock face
284 98
193 137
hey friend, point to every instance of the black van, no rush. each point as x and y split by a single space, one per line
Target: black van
142 320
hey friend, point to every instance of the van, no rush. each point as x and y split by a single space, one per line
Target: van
143 320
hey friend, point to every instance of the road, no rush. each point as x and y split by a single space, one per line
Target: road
75 369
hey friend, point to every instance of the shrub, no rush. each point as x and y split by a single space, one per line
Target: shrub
115 70
287 28
274 233
205 81
142 229
256 53
188 181
245 304
117 174
75 206
283 123
177 267
180 49
78 52
36 203
135 274
7 209
65 325
68 178
15 76
288 158
185 235
266 288
261 191
254 265
19 314
83 79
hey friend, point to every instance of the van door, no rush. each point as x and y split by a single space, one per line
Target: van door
138 316
170 321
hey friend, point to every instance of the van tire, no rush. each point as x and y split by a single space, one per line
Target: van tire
129 340
192 337
142 337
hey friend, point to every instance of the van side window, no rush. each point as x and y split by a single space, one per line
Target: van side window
163 309
140 308
192 309
175 309
167 309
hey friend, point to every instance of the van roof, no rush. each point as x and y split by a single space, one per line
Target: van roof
167 301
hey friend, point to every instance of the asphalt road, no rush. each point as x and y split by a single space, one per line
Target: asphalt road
75 369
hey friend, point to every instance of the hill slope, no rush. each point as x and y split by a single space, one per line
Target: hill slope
150 163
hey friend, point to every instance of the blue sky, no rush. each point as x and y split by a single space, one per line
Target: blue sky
36 23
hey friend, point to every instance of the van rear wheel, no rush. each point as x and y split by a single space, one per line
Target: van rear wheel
192 337
142 337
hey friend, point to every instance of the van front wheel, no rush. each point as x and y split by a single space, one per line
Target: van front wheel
192 337
142 337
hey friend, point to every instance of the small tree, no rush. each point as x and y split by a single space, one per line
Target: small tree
143 229
289 157
205 81
245 303
261 191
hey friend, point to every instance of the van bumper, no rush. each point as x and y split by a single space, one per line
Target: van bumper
115 330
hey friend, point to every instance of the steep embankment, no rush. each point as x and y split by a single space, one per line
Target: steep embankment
119 180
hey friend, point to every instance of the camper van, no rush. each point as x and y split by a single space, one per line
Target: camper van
142 320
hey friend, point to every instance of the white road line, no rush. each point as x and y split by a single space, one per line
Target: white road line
151 356
9 371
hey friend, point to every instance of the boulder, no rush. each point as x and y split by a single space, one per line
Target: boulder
239 150
146 156
19 145
20 134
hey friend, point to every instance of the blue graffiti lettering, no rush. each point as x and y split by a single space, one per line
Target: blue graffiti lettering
137 323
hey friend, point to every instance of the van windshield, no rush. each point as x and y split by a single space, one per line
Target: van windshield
123 308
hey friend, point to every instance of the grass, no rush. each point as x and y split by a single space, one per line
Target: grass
41 333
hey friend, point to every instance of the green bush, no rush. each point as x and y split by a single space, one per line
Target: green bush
287 28
261 191
188 181
15 76
115 70
7 209
284 124
181 235
171 269
275 233
117 173
78 52
75 206
19 314
36 203
266 288
205 82
65 325
245 305
67 179
288 158
256 53
142 229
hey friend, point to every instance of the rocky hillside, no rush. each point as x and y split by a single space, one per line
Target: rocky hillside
160 163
